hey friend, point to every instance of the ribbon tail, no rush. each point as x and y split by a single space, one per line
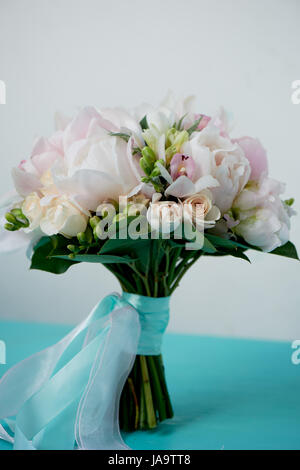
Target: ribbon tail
71 390
97 423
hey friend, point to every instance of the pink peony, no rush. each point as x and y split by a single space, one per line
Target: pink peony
256 155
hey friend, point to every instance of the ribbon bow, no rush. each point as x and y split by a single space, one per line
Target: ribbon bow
68 395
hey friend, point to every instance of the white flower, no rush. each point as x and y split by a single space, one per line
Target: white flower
33 210
200 211
263 218
82 160
96 167
165 216
161 119
220 166
61 216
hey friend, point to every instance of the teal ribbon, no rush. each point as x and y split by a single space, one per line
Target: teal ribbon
68 395
154 319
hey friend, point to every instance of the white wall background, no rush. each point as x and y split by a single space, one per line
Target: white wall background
243 54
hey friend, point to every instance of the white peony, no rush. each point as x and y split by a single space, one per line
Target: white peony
96 166
220 165
263 219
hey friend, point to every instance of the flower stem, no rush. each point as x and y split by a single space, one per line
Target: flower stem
151 419
156 387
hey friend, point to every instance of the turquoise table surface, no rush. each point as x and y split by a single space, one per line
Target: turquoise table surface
227 393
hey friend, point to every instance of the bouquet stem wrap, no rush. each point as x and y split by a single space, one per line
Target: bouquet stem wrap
68 395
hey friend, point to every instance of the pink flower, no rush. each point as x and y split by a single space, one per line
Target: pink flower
204 121
256 155
182 165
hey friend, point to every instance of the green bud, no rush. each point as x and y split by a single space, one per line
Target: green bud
149 155
145 166
10 227
11 218
170 136
170 152
72 255
145 179
155 172
97 231
180 139
81 237
72 248
89 235
174 141
20 218
150 138
17 212
23 220
289 202
94 221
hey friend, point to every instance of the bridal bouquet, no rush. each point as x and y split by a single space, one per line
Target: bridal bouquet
145 192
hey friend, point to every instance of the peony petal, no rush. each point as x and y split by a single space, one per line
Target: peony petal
120 118
44 161
9 199
256 154
25 183
90 187
206 181
78 128
182 187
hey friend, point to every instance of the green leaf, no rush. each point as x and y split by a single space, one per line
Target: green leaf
103 259
136 249
239 254
179 124
288 250
203 245
144 123
42 255
208 247
122 135
226 243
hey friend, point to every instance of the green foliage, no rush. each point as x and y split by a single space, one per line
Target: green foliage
122 135
43 256
144 123
288 250
16 220
152 267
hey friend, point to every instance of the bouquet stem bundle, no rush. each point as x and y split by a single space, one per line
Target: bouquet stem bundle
145 399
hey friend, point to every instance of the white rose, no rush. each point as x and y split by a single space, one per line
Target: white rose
164 216
200 211
33 210
61 216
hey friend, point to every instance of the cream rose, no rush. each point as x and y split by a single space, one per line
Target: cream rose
164 216
61 216
33 210
199 210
